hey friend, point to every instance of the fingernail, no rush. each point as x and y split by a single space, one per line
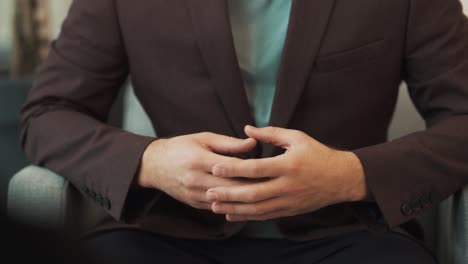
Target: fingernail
230 218
212 196
216 208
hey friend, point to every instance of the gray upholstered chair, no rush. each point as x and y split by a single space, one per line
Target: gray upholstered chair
40 197
452 229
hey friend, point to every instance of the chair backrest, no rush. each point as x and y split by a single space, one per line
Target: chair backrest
405 121
452 232
134 117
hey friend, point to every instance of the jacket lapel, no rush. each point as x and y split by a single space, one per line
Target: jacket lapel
307 25
212 25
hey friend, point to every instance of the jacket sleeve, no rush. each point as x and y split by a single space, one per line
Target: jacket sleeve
412 174
63 120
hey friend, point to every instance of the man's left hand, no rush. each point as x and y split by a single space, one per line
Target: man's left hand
307 177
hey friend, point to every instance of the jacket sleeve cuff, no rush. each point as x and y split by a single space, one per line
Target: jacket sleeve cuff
397 186
120 199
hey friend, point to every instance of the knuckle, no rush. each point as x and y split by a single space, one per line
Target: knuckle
271 130
231 139
225 170
203 206
189 180
229 209
257 169
224 195
252 197
297 134
282 208
190 195
300 136
262 217
189 161
288 213
254 169
204 134
186 195
210 135
293 166
257 210
192 164
195 205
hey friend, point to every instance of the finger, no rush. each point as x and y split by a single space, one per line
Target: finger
252 168
194 196
210 159
203 181
201 205
251 209
277 136
265 217
249 193
195 199
227 145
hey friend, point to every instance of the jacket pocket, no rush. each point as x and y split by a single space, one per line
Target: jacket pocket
350 58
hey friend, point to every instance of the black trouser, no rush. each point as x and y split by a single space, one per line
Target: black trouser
360 247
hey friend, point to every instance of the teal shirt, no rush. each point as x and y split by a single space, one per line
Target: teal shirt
259 29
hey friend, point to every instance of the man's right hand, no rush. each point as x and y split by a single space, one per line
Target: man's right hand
181 166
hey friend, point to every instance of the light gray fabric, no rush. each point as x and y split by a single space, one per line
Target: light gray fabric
42 198
38 196
452 246
135 119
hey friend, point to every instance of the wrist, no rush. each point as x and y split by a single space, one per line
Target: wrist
146 169
354 180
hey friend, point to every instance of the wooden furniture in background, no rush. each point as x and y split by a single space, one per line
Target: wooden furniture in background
31 36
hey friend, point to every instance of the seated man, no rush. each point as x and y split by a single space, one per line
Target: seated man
271 119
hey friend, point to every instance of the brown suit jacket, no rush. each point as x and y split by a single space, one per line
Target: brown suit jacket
342 65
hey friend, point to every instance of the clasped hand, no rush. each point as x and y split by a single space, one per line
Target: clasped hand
308 176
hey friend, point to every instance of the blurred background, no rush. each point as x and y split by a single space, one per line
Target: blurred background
26 28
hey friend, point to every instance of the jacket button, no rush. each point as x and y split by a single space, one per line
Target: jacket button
94 195
406 209
106 204
426 200
416 205
99 199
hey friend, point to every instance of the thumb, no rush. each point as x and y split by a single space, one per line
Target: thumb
227 145
277 136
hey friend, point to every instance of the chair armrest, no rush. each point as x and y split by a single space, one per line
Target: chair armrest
40 197
453 229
